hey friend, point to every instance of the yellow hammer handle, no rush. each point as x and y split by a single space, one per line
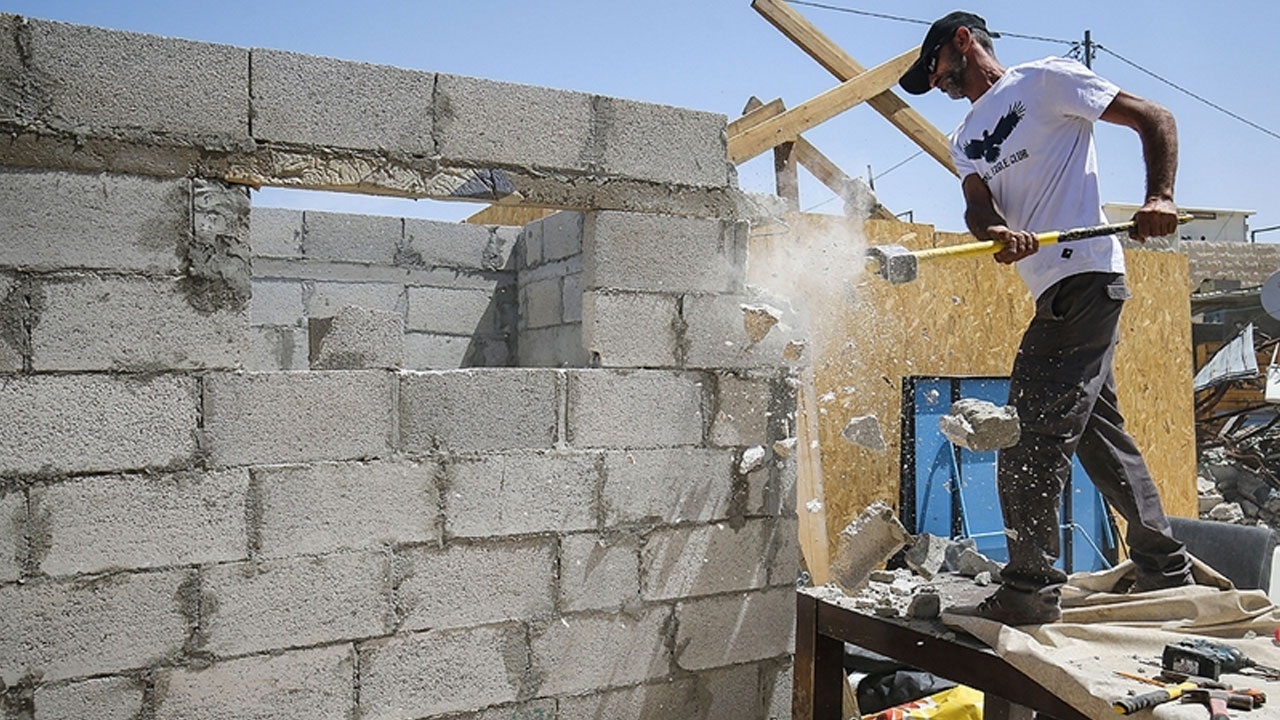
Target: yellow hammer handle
991 247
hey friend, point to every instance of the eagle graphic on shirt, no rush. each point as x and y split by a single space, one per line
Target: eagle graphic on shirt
987 147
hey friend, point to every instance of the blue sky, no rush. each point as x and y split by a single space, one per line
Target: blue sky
714 54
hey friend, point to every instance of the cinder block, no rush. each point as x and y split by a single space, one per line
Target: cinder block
125 323
313 684
452 312
57 630
57 220
529 246
426 351
598 573
432 244
322 101
13 102
667 486
866 542
276 348
11 348
496 122
360 339
580 653
96 423
431 673
278 303
715 335
742 411
110 79
259 606
112 698
275 232
541 304
328 298
465 585
557 346
710 629
562 235
733 692
624 329
318 508
707 559
610 408
256 418
777 681
782 553
520 493
104 522
662 253
348 237
662 699
13 544
571 310
478 410
662 143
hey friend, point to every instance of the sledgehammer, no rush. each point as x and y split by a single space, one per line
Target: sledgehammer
899 265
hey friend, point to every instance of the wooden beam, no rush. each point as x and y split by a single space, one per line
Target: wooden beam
755 113
830 56
817 110
515 215
810 498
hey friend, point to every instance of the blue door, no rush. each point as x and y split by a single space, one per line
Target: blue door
950 491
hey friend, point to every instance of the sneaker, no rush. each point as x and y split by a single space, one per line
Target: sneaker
1014 607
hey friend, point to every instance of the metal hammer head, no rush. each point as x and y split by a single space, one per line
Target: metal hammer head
894 263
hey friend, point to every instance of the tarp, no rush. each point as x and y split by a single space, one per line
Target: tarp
1104 631
1234 361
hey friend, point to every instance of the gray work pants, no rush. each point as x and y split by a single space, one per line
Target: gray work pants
1064 389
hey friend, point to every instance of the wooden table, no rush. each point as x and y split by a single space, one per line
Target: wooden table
823 627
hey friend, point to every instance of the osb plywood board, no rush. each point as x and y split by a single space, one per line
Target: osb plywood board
964 317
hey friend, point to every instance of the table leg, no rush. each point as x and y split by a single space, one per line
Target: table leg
819 667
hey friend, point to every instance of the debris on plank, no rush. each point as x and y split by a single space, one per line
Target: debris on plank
864 430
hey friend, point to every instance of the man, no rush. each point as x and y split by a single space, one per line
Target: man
1026 158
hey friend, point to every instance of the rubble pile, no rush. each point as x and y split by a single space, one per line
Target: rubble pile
1239 478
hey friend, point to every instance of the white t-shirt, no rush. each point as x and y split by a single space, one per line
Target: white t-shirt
1030 138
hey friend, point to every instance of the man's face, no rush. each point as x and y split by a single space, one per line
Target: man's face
948 73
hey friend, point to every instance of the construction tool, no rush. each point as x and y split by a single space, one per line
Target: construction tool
1197 656
1215 700
1130 705
1177 684
899 265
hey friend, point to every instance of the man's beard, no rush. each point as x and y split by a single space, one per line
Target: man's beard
952 82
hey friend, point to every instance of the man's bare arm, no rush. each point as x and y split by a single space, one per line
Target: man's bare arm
1158 133
986 223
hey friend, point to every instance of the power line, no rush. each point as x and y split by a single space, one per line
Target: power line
1074 51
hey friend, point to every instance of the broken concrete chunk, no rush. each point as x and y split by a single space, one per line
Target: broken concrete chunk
927 555
981 426
865 544
954 548
982 579
925 606
864 430
758 320
793 351
971 563
882 576
784 448
752 459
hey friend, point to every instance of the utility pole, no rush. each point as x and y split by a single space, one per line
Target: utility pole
1088 49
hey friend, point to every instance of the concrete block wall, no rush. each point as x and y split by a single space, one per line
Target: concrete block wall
197 520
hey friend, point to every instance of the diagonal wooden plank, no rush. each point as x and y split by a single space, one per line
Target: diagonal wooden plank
830 56
817 110
755 113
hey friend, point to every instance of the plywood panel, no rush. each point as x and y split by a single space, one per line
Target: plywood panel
964 317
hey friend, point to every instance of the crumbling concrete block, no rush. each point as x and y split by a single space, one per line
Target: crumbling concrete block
275 603
75 628
715 337
105 522
864 430
981 426
465 585
758 319
478 410
927 555
294 685
742 411
96 423
864 544
216 258
359 339
311 100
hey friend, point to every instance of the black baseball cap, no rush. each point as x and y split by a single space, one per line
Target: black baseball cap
916 79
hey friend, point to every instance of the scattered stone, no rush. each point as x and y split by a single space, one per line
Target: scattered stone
925 606
927 554
954 548
865 544
981 426
1229 512
864 430
814 505
886 611
882 576
758 320
784 448
982 579
793 351
902 586
752 459
970 563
